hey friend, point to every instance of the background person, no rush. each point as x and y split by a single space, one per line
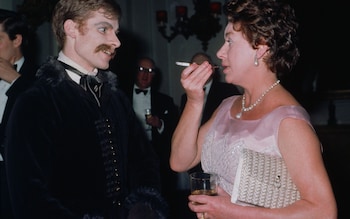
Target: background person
78 151
160 125
17 73
259 48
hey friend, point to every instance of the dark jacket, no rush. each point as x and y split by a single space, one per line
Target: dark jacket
68 158
22 83
164 107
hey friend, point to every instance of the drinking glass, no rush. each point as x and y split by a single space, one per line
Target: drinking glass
148 113
202 183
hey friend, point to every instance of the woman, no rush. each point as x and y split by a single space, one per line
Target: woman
259 48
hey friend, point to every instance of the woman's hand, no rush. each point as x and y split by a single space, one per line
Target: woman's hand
210 207
193 79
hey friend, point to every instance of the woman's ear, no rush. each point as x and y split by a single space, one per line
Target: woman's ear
261 51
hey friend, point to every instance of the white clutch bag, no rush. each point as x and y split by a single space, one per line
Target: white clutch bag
263 180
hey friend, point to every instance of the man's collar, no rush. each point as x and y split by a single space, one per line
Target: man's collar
62 57
19 63
208 85
137 87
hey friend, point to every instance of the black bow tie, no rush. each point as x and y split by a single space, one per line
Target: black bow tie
15 66
137 90
90 83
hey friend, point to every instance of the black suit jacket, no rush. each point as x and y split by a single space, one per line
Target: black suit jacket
164 107
22 83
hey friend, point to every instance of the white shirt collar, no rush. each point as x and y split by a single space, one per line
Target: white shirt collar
19 63
62 57
207 86
148 88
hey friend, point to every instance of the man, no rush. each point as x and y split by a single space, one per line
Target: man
159 116
77 150
17 73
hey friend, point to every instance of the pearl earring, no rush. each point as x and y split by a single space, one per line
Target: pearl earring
256 62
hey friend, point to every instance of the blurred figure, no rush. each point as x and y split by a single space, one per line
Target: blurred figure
159 116
260 46
17 73
75 148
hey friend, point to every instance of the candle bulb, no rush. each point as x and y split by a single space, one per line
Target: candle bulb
215 8
181 11
162 17
204 23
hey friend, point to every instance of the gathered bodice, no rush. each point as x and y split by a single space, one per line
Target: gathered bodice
227 135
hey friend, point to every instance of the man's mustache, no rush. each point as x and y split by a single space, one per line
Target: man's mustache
106 48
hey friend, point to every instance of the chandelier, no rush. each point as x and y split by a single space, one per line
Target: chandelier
204 23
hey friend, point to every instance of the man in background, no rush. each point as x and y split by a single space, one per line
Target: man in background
159 115
17 73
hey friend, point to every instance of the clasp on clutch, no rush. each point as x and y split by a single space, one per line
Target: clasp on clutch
278 181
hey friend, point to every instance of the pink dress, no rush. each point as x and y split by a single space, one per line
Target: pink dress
228 135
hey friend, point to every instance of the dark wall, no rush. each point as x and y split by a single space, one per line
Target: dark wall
125 61
322 66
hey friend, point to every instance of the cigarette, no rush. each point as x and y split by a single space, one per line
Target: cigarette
185 64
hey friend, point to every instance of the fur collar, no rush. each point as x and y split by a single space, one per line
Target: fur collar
53 73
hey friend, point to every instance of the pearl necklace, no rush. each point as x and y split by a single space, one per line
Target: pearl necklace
246 109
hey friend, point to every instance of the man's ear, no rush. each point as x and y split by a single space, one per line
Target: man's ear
70 28
17 42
